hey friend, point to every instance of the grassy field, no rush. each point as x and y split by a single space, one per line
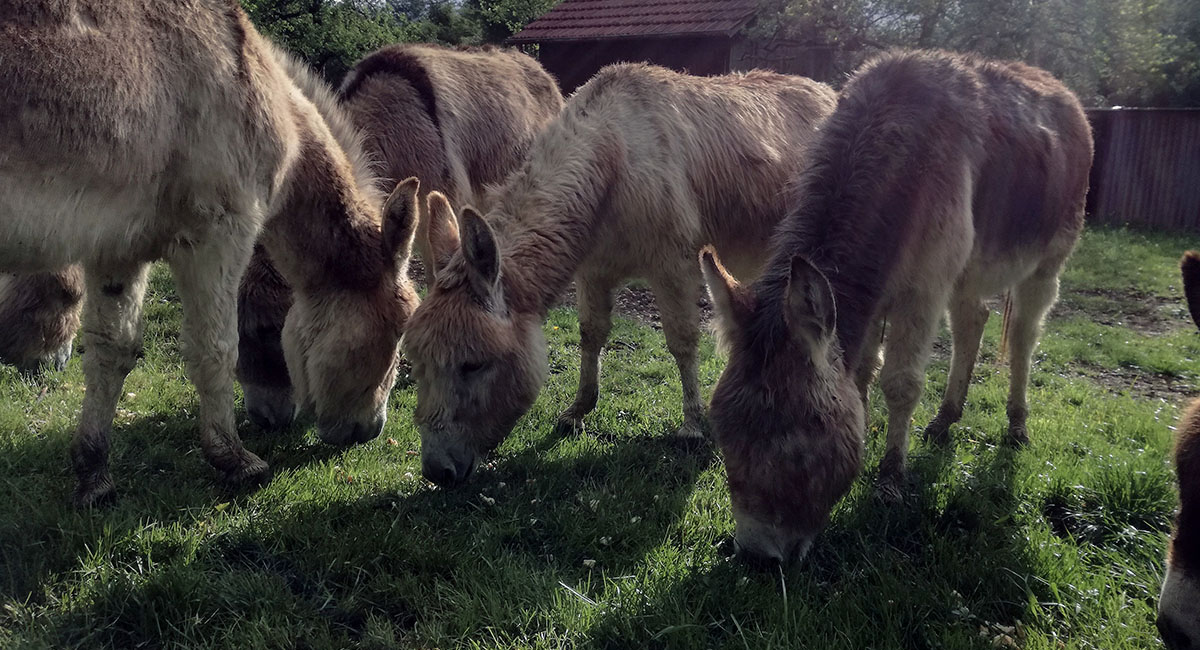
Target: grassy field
614 539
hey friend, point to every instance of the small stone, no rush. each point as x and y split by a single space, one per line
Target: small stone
634 520
591 564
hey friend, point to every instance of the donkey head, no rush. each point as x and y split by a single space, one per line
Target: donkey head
1179 604
342 345
478 365
785 412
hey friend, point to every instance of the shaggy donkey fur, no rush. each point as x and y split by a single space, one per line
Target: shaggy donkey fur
39 314
456 119
939 180
643 168
135 130
1179 604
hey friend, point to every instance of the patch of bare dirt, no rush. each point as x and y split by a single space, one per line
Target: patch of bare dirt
1144 313
638 303
1148 385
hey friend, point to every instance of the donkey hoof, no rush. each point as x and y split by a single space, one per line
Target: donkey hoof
1018 435
249 470
890 488
889 493
937 433
568 425
95 492
690 431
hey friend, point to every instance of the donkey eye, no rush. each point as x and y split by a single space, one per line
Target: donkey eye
471 368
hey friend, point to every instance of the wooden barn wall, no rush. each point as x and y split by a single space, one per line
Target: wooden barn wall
1147 168
574 62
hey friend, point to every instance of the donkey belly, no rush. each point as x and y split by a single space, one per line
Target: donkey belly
47 223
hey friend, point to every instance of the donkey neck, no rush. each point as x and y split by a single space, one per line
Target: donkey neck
325 234
1185 546
547 223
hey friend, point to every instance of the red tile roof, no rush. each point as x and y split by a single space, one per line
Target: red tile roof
575 20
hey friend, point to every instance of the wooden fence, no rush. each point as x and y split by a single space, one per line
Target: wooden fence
1146 170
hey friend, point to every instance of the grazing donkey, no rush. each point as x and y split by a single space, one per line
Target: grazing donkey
643 167
456 119
132 131
39 314
1179 604
939 180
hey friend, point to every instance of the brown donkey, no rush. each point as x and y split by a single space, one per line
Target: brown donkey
39 314
1179 604
132 131
643 167
456 119
939 180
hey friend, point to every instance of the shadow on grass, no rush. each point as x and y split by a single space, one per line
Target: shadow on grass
925 574
161 477
334 572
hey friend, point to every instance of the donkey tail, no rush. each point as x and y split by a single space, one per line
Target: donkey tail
1190 267
1005 324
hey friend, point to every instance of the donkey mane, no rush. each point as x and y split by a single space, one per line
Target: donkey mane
398 60
343 130
848 193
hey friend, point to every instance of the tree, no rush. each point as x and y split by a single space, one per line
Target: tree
1135 52
499 19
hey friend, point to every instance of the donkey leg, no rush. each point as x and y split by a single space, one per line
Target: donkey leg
910 338
112 328
1032 298
595 302
968 315
678 298
868 365
207 276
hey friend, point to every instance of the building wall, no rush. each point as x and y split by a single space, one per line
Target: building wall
1147 168
573 63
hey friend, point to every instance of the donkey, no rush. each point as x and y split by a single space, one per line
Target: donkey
939 180
457 119
132 131
643 167
39 315
1179 604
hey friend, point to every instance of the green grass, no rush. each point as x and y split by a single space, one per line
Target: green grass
613 539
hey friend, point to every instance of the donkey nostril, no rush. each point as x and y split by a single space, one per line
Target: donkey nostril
442 474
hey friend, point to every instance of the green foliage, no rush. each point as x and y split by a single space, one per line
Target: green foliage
500 19
332 34
1129 52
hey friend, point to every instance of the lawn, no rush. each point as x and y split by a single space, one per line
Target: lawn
615 538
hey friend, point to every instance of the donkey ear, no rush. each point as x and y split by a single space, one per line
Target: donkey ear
721 287
481 253
809 308
441 233
400 219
